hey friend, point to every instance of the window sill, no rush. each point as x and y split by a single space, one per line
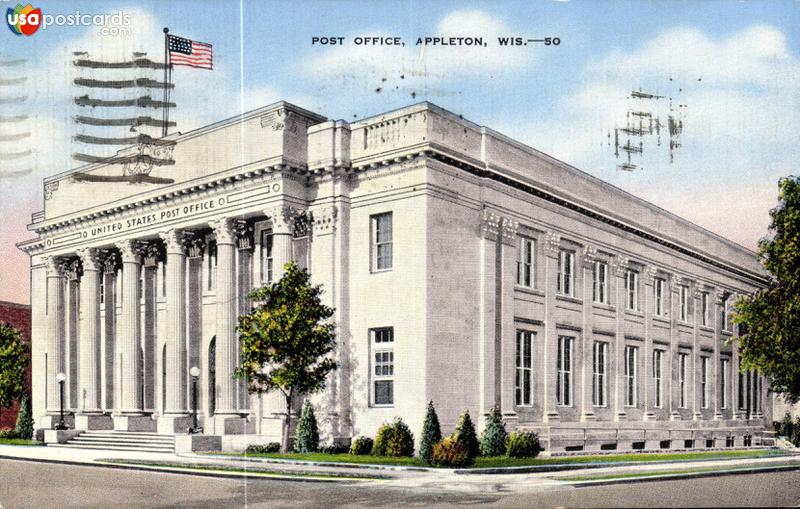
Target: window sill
379 271
529 290
568 298
603 305
726 332
661 318
634 312
706 328
381 406
685 323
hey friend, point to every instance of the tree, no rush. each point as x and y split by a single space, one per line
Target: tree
769 340
465 433
307 433
286 340
24 427
13 361
431 433
493 439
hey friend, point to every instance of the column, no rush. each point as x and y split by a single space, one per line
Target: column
586 411
226 353
551 253
89 404
715 378
176 415
54 335
282 218
244 244
619 268
111 263
489 354
129 415
506 340
72 324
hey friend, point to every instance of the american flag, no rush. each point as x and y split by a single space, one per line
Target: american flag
189 53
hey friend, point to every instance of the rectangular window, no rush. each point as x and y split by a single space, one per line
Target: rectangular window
524 373
704 308
266 256
599 369
725 315
631 353
632 290
566 272
658 356
683 360
704 382
741 398
658 290
600 282
723 383
212 265
382 241
383 365
525 262
564 369
684 303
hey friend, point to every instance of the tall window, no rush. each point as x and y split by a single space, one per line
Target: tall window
383 365
658 356
524 373
683 360
632 290
631 353
723 383
525 262
600 282
684 303
599 359
704 382
266 256
382 241
704 308
564 379
212 264
658 289
740 402
725 315
566 272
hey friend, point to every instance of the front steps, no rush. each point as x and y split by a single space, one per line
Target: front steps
122 441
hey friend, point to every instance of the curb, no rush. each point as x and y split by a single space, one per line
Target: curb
278 461
684 475
190 471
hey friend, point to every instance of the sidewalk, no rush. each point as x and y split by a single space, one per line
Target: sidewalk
400 477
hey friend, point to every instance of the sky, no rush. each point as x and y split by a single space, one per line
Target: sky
730 69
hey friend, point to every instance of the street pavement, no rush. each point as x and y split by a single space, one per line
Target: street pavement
44 485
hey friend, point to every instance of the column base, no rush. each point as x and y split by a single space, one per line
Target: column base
170 424
134 423
50 421
93 421
230 424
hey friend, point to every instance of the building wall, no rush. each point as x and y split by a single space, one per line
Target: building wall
18 315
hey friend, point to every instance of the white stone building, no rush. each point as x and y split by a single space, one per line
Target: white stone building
465 268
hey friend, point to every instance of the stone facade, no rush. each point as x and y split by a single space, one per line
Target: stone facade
465 268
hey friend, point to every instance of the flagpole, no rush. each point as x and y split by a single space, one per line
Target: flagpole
165 116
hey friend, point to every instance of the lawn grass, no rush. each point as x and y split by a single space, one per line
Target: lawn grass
19 441
238 470
501 461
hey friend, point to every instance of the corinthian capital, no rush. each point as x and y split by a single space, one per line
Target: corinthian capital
552 243
174 240
130 250
53 266
224 231
90 258
490 224
283 218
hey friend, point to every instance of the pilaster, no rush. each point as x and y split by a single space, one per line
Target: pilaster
619 268
586 411
552 245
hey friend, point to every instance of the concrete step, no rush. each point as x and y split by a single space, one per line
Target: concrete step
112 447
154 441
135 434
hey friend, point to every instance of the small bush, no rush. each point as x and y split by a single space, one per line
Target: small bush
523 444
307 436
794 432
451 452
335 449
465 433
394 440
493 439
271 447
8 434
361 446
431 433
25 419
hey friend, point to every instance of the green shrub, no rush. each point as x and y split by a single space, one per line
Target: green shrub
493 439
431 433
451 452
335 449
307 436
361 446
8 434
465 433
271 447
523 444
25 419
785 426
394 440
794 432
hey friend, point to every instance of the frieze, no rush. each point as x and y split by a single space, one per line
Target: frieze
552 243
324 220
589 256
490 224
